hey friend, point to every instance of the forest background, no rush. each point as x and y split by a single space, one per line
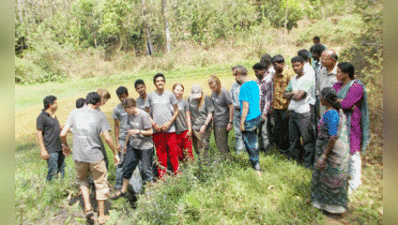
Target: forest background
67 47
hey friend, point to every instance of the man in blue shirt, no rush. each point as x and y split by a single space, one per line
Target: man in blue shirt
249 100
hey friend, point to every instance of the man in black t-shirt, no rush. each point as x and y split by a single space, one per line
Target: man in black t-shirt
48 130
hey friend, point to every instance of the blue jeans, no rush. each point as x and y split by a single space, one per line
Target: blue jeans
132 157
251 141
56 164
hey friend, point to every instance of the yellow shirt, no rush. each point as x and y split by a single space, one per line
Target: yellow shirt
280 84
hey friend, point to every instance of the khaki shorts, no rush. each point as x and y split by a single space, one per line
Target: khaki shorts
100 176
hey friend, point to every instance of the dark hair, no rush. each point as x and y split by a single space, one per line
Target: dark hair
93 98
130 102
330 95
297 59
316 38
80 102
347 67
158 75
138 82
317 48
304 53
48 100
259 66
278 59
334 56
121 90
265 60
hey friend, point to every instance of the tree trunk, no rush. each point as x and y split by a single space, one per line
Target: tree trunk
166 25
147 31
286 19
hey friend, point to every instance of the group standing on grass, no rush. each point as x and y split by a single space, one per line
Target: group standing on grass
316 115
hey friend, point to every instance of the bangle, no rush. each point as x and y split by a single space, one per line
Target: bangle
230 122
154 124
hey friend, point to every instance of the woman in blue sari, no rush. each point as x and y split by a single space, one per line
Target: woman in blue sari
329 185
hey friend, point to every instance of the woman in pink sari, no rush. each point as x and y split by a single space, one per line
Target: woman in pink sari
353 100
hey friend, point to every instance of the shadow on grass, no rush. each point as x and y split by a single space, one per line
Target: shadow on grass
25 146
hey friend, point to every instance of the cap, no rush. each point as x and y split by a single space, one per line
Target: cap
196 91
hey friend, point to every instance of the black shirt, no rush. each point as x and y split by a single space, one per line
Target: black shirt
51 130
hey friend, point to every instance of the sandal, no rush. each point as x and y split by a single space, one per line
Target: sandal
118 194
89 215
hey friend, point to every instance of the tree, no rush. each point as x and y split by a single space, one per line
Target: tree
166 25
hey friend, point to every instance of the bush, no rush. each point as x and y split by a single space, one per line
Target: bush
26 72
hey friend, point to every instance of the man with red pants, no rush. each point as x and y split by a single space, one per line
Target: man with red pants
163 109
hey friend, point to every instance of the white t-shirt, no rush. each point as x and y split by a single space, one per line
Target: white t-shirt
310 71
304 83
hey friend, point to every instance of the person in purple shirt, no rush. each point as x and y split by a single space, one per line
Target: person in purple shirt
353 100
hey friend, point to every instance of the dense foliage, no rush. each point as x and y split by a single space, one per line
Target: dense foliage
47 31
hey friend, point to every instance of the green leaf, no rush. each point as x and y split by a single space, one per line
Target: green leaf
193 201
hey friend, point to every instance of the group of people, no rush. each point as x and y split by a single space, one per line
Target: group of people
316 114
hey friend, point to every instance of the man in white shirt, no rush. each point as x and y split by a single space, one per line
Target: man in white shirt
308 70
299 108
327 74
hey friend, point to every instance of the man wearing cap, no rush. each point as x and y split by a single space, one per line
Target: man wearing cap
89 124
250 114
48 130
160 104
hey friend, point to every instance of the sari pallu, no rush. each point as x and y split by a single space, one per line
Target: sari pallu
364 110
329 186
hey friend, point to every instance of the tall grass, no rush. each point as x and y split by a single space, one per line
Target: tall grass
215 192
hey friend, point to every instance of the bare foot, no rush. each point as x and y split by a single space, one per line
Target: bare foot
103 219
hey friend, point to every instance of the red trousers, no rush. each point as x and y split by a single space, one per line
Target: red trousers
166 146
184 144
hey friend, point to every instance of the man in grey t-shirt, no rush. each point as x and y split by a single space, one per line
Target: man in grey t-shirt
239 145
160 104
140 145
140 88
88 123
121 127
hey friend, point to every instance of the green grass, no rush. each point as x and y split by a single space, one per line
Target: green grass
27 95
226 192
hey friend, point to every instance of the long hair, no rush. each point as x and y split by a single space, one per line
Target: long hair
330 95
202 100
215 80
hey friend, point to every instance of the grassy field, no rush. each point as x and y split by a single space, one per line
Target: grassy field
221 193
